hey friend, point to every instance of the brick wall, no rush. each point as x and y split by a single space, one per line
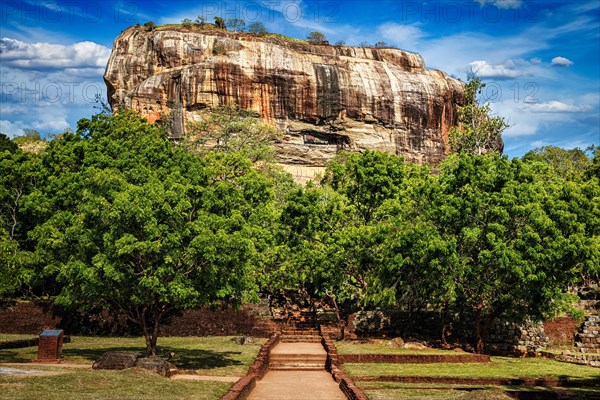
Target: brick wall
503 339
33 318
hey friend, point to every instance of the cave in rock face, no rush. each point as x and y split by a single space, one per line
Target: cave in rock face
324 98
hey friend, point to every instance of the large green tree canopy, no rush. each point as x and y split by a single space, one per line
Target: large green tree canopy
117 216
139 225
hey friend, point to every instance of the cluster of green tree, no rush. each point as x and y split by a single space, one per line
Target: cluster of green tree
485 237
115 215
232 24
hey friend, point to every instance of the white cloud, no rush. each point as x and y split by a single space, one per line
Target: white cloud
561 61
48 86
45 118
42 56
506 4
529 119
11 129
405 36
536 144
557 107
484 69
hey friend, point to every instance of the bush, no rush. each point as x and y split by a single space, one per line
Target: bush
236 25
316 38
187 23
257 28
220 23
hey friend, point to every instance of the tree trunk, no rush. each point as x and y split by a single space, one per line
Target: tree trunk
147 333
481 331
155 330
151 331
485 330
341 322
479 342
313 312
444 328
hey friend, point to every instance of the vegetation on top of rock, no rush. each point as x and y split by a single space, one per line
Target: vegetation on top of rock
231 129
150 26
257 28
316 38
236 24
220 23
478 131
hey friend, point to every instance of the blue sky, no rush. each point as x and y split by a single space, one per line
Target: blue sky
540 59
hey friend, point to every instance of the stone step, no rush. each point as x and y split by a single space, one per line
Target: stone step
308 358
297 363
300 339
297 368
304 359
300 332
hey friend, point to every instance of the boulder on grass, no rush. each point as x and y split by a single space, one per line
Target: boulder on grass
414 346
243 340
396 343
156 364
116 360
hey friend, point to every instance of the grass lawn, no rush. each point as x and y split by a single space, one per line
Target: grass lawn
405 391
419 393
216 355
9 337
500 367
77 384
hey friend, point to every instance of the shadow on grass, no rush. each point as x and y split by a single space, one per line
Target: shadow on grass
16 356
203 359
184 358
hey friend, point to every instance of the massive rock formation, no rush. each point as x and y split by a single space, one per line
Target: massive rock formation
324 98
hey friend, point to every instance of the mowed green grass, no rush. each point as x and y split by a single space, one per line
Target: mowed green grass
9 337
419 393
77 384
214 356
217 355
422 391
499 367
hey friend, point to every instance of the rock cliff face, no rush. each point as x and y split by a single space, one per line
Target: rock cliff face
324 98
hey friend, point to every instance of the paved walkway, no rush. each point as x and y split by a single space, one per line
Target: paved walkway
297 384
301 348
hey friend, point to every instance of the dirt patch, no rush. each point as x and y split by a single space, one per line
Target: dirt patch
561 331
18 372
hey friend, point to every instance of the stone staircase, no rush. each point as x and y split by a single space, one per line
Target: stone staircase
297 362
298 350
300 336
587 340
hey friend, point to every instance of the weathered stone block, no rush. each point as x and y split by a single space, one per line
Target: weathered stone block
116 360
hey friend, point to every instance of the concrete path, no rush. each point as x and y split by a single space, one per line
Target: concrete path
297 385
297 373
